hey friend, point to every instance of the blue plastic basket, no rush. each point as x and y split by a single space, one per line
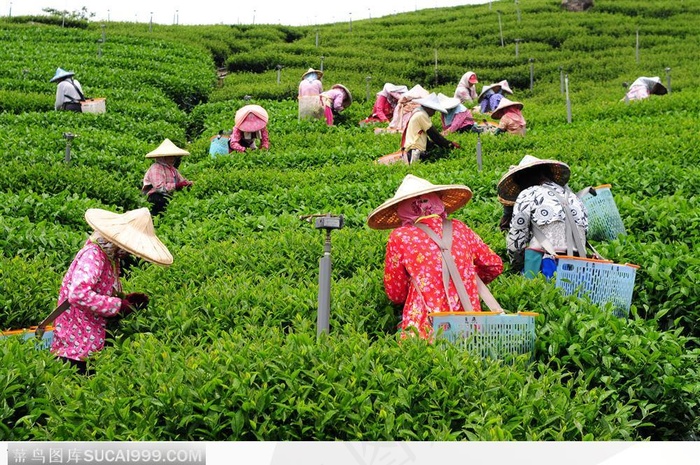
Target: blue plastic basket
604 221
218 145
25 334
488 334
601 280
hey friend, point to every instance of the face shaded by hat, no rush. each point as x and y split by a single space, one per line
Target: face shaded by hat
318 73
347 100
432 102
132 231
61 74
509 187
167 149
504 105
251 118
453 196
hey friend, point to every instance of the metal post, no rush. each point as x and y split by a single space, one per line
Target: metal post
479 162
316 38
350 22
518 14
150 23
568 101
279 72
532 74
367 79
668 79
436 69
500 27
324 288
517 44
177 17
561 78
489 5
10 14
322 57
636 52
104 36
69 138
108 20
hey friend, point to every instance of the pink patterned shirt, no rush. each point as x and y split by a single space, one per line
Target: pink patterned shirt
413 271
88 285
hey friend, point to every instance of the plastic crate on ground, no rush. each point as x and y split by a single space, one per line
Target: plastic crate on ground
488 334
604 221
603 281
25 334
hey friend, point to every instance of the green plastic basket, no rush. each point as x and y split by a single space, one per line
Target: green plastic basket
488 334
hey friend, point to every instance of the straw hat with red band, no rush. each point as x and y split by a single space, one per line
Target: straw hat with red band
319 74
167 149
251 118
508 188
132 231
503 105
347 100
494 87
453 196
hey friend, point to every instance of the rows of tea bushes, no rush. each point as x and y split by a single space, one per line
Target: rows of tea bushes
227 349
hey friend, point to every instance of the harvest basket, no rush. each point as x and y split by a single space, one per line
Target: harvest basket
488 334
94 105
310 107
25 334
602 281
604 221
218 145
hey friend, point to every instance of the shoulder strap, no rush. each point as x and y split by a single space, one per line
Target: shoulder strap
39 332
82 97
449 269
573 238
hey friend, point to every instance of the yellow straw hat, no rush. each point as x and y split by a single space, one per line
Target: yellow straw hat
453 196
167 149
132 231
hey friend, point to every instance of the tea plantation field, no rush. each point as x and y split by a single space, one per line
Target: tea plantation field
228 350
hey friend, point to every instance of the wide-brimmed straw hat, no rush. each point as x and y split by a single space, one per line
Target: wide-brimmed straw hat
448 103
347 100
494 87
61 74
251 118
505 87
319 73
132 231
453 196
167 149
503 105
508 188
431 101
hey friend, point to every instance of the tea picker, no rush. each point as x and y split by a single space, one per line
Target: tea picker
328 222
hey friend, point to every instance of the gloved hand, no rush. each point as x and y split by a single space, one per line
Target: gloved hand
182 184
133 301
455 145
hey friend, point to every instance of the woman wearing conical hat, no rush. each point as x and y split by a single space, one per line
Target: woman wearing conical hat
534 195
643 87
458 117
491 96
163 177
334 101
311 83
420 138
385 103
92 287
251 124
69 92
510 116
413 272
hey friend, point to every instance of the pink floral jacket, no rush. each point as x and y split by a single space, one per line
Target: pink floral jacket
88 285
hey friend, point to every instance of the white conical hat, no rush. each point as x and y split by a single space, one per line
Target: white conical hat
61 74
448 102
167 149
508 189
132 231
494 87
453 196
431 101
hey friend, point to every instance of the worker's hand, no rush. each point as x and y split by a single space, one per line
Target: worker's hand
133 301
455 145
182 184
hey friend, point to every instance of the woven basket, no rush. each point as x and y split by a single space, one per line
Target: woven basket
25 334
602 281
488 334
310 107
604 221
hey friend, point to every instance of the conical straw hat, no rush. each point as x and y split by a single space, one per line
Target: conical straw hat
347 101
448 103
319 74
251 118
503 105
167 149
61 74
508 189
431 101
454 196
494 87
132 231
